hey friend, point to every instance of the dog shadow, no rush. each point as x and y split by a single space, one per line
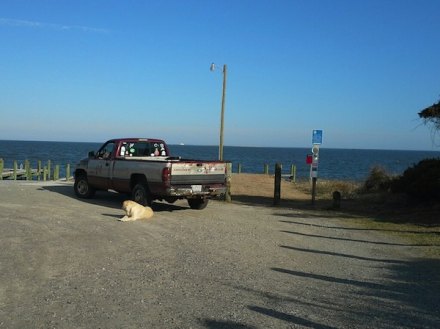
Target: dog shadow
113 216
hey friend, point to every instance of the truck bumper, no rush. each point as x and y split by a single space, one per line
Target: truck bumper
196 191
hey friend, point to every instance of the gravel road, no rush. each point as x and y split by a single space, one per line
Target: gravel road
68 263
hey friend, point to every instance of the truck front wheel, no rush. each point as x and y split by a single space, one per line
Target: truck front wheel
82 188
199 203
141 195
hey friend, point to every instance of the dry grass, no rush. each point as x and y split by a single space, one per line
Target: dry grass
325 188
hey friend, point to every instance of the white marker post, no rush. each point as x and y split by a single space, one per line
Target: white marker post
316 141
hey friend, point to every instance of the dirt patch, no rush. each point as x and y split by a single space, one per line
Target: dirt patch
263 186
258 189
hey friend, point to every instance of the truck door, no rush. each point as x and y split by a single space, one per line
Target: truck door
100 167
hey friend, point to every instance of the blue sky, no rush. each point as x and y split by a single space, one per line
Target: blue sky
94 70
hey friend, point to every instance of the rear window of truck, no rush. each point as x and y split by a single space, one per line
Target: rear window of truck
141 149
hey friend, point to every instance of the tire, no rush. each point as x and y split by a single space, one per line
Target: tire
198 204
82 188
141 195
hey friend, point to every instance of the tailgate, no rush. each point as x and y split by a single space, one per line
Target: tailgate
198 172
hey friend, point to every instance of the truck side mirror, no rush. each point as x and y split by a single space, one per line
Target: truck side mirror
91 154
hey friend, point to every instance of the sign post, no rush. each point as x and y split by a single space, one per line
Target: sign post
316 142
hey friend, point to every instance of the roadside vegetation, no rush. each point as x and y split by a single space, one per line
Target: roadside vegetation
413 196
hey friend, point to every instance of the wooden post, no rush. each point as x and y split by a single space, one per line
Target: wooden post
67 172
56 172
15 170
293 173
277 189
44 173
313 190
239 168
39 170
228 182
2 164
336 200
266 169
49 169
27 169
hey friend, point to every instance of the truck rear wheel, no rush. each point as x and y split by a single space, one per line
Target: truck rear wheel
82 188
199 203
141 195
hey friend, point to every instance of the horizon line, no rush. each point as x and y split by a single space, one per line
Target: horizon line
213 145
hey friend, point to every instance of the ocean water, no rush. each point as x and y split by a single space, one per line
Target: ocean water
343 164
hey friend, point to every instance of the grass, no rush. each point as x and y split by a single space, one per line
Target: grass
325 188
415 235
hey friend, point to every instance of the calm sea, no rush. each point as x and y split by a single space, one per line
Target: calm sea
344 164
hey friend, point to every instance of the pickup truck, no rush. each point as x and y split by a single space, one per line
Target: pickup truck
144 168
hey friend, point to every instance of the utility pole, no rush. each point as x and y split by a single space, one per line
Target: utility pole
222 118
222 115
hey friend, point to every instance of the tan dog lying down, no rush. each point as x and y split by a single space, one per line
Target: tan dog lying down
135 211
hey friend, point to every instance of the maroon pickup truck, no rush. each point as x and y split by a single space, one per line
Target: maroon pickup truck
144 168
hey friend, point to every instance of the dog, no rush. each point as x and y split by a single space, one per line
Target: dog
135 211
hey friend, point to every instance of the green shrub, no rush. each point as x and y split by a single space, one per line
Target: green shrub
421 181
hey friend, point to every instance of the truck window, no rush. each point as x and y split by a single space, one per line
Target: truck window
127 150
158 149
106 151
151 149
142 149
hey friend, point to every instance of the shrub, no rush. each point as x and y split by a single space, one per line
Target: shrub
421 181
377 180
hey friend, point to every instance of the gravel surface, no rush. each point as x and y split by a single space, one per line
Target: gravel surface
68 263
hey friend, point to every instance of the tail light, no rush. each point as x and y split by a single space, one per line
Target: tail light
166 176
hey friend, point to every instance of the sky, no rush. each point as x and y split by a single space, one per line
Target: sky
89 71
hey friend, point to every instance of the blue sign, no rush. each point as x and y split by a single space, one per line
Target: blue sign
317 137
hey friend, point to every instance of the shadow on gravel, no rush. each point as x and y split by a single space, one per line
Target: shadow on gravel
358 240
407 298
252 200
337 254
288 317
366 285
351 228
108 199
417 284
215 324
263 201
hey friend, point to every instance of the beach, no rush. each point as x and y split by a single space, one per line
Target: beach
69 263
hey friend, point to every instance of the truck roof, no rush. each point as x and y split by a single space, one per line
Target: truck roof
139 139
